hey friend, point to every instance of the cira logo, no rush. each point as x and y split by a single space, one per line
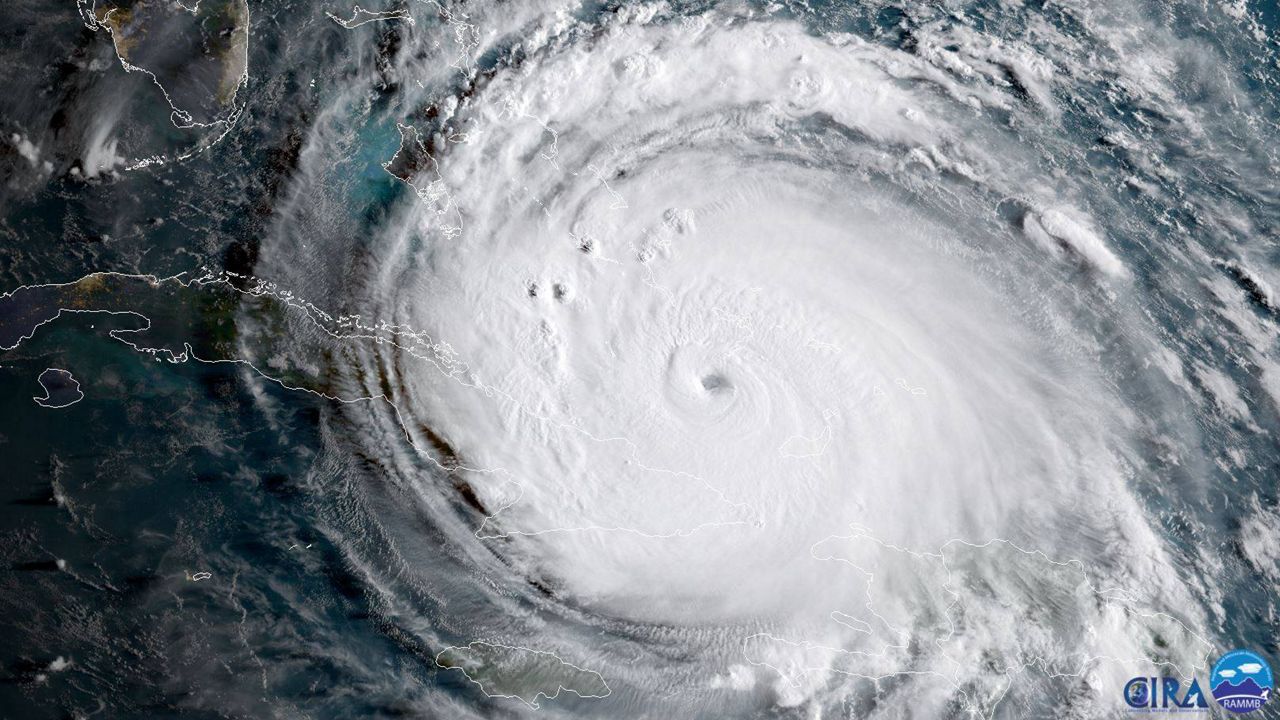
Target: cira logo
1241 681
1163 693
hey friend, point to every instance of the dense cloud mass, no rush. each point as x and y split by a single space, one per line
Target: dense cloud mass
719 360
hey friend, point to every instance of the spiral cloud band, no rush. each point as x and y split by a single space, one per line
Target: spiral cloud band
820 359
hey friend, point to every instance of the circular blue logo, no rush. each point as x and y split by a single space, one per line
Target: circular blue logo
1241 681
1136 694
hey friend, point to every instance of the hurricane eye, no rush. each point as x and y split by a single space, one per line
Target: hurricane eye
716 383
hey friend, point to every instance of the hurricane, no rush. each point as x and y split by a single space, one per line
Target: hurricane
652 359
